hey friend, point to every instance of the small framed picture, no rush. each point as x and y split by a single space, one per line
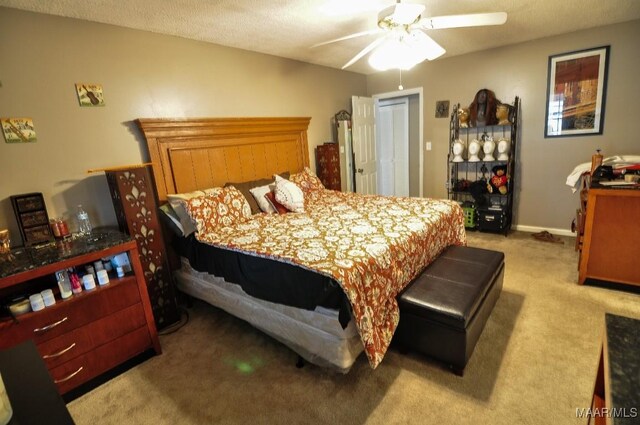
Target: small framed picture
90 94
18 130
442 109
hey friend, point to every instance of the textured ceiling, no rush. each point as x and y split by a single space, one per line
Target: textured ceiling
287 28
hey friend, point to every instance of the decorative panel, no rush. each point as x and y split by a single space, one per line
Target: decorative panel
136 207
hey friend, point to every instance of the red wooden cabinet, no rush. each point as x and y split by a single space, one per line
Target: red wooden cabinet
328 165
89 333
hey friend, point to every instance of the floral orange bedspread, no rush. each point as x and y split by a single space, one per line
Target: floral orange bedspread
373 246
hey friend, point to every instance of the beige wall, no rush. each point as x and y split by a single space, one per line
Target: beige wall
143 75
543 199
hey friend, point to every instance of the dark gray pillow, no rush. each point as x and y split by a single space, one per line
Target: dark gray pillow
245 187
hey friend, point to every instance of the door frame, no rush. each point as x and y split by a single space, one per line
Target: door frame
407 93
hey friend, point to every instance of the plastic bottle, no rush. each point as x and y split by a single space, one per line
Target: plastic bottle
64 283
76 285
84 224
596 160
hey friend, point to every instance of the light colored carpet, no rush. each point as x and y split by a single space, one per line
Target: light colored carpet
535 363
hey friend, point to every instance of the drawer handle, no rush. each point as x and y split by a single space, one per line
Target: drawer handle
59 381
51 326
59 353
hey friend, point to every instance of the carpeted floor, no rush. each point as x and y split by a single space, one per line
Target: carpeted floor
535 363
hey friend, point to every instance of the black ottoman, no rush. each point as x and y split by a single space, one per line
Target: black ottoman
443 311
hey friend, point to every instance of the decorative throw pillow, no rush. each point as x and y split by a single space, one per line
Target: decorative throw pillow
221 207
277 206
259 194
306 180
289 195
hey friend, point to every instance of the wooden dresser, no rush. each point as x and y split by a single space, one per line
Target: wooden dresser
89 333
609 246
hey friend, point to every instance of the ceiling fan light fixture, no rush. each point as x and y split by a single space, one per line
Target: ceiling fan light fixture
395 54
404 52
421 42
406 42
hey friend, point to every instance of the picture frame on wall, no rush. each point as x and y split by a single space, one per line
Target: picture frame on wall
18 130
90 94
442 109
576 93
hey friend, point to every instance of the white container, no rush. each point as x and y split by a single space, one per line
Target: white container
88 282
103 277
120 271
48 297
6 412
37 303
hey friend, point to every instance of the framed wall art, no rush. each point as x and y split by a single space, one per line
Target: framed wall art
18 130
90 94
442 109
576 92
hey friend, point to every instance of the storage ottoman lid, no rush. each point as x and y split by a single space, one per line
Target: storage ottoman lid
452 288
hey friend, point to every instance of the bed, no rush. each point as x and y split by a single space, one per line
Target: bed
361 249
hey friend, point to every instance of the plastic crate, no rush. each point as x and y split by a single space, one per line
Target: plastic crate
470 215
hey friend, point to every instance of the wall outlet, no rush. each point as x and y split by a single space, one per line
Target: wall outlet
428 146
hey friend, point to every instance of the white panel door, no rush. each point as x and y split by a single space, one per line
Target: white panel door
393 147
363 123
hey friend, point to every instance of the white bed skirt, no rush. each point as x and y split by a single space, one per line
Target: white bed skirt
315 335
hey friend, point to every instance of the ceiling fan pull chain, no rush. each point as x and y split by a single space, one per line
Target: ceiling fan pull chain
400 86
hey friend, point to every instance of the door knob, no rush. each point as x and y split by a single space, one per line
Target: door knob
360 170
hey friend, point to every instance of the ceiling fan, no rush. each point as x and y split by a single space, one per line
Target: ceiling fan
405 43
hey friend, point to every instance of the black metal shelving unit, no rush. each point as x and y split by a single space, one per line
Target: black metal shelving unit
496 212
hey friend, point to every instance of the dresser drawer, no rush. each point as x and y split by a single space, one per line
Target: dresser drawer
81 340
73 313
89 365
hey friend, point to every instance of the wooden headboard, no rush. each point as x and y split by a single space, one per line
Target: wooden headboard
191 154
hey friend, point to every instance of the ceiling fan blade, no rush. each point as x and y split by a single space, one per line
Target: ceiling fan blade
347 37
458 21
364 51
401 13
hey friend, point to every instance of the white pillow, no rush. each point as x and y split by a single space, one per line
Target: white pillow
177 202
258 193
289 195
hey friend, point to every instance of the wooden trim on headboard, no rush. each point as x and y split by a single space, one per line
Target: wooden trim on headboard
190 154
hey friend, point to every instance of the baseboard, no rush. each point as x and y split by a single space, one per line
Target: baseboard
535 229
